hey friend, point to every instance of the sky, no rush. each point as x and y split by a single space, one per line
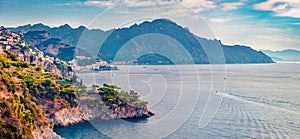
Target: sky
261 24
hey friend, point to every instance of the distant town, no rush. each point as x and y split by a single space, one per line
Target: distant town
13 42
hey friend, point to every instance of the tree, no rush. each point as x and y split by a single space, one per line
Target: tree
95 86
47 83
38 69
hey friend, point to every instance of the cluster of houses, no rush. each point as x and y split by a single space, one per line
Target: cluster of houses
99 65
8 38
13 43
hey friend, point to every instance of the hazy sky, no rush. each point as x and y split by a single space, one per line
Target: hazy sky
261 24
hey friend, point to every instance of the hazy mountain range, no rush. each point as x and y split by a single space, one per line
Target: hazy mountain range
138 43
284 55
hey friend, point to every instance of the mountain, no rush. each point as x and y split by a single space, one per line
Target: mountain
244 54
284 55
177 43
69 35
154 59
64 32
137 43
54 47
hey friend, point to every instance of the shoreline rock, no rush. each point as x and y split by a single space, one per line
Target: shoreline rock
92 107
66 117
45 133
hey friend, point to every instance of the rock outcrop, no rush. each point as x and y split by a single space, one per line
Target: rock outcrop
93 108
45 133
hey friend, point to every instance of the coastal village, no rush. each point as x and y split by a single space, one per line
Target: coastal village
12 42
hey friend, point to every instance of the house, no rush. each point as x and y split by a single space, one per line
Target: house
10 40
3 40
1 48
27 55
33 59
8 47
17 52
24 44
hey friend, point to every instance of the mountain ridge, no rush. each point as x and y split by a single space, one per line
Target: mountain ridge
283 55
111 41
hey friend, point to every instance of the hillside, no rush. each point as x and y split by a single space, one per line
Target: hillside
32 101
28 97
39 92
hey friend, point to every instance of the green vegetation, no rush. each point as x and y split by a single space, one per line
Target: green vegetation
83 62
29 96
24 90
66 54
113 96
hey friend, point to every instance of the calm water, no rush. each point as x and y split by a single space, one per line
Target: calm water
259 101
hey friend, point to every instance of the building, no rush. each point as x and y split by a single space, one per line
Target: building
10 40
1 48
8 47
17 52
3 40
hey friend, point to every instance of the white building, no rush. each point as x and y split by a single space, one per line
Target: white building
7 47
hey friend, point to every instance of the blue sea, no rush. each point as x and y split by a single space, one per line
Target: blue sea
203 101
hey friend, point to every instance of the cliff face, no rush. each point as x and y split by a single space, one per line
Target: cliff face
45 133
93 107
28 97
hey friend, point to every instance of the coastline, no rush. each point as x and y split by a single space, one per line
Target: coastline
70 116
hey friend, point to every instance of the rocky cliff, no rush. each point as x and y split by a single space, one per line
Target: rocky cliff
96 107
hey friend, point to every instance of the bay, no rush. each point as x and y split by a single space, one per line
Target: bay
203 101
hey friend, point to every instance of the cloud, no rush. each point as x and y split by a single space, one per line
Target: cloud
98 3
195 5
277 38
231 5
288 8
219 20
199 5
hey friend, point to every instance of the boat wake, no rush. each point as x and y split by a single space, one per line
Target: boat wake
230 96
